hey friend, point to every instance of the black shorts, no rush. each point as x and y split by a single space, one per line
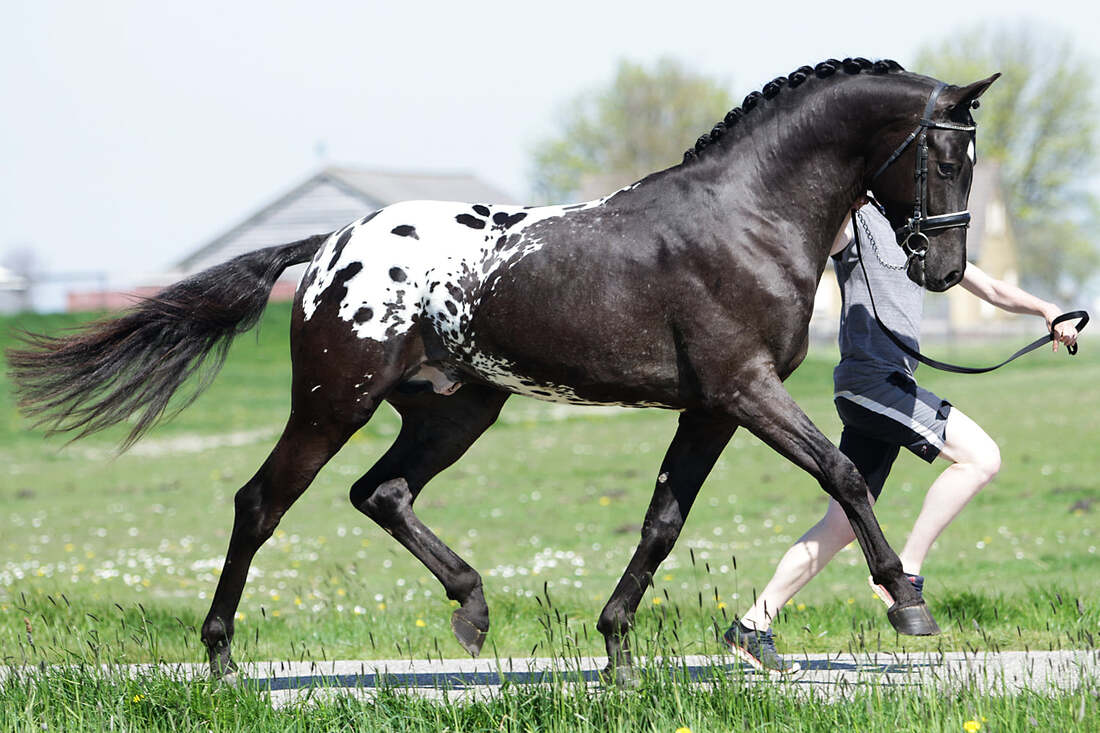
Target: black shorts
881 419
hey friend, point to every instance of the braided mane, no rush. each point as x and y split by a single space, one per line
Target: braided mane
772 88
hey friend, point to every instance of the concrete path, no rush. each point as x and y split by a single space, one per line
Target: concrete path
829 676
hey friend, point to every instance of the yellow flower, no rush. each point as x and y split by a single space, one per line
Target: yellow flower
801 606
605 501
683 729
138 698
972 726
667 576
851 601
420 623
656 601
381 606
721 605
275 596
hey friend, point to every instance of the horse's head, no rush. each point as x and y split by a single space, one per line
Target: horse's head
924 183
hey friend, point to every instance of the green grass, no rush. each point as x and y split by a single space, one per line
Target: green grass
83 699
546 501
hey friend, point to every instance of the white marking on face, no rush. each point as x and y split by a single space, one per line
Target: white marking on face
972 152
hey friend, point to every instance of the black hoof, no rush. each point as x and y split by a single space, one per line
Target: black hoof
913 620
468 634
222 667
620 676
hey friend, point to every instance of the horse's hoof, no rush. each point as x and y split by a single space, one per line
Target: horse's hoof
913 620
620 676
224 672
468 634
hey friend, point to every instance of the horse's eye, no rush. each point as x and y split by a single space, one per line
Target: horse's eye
947 170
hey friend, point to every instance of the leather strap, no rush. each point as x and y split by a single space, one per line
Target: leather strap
944 366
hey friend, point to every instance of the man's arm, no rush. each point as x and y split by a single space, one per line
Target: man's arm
1010 298
842 237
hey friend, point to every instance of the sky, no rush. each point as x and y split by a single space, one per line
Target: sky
134 132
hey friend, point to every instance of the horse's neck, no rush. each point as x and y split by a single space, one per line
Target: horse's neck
804 162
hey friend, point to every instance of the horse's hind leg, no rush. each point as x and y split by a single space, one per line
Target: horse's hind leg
304 447
435 432
698 443
327 407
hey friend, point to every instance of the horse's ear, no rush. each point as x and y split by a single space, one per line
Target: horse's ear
962 99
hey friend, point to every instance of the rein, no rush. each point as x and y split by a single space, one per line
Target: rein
944 366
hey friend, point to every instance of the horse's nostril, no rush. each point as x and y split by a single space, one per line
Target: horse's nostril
953 278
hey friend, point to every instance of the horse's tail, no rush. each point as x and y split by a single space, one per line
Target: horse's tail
106 371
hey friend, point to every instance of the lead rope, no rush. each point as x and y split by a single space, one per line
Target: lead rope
944 366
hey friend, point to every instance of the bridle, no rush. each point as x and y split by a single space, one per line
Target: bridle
915 242
912 236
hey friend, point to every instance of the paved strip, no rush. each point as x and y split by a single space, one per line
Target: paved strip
825 675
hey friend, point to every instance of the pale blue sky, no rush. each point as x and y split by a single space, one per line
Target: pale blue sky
135 131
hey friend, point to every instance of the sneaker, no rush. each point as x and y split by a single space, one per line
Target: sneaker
757 648
884 595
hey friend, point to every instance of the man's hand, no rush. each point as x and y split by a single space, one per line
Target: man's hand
1064 333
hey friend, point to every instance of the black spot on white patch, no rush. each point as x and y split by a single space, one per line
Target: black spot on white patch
481 209
405 230
397 275
471 221
504 220
340 244
363 315
452 308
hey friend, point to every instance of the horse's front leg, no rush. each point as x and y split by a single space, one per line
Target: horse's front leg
698 443
765 407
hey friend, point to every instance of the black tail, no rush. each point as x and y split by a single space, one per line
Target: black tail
110 369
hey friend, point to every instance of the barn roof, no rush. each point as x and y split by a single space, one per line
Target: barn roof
330 199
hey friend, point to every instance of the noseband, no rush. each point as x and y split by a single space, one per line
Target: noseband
912 236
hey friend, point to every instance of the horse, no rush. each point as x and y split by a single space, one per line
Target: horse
689 290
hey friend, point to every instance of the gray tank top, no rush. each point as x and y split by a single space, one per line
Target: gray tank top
866 354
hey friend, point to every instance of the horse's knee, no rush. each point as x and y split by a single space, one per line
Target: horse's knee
614 620
216 632
843 481
381 502
254 520
661 535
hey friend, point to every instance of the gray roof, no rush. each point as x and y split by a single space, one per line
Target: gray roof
331 198
388 187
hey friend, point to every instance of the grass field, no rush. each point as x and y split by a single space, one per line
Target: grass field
115 558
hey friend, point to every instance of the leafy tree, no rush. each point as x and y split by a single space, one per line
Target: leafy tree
641 122
1039 121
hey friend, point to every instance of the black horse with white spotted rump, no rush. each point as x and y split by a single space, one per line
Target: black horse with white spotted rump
690 290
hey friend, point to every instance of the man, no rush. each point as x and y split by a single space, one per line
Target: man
883 409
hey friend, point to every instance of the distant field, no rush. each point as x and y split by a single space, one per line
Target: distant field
116 557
